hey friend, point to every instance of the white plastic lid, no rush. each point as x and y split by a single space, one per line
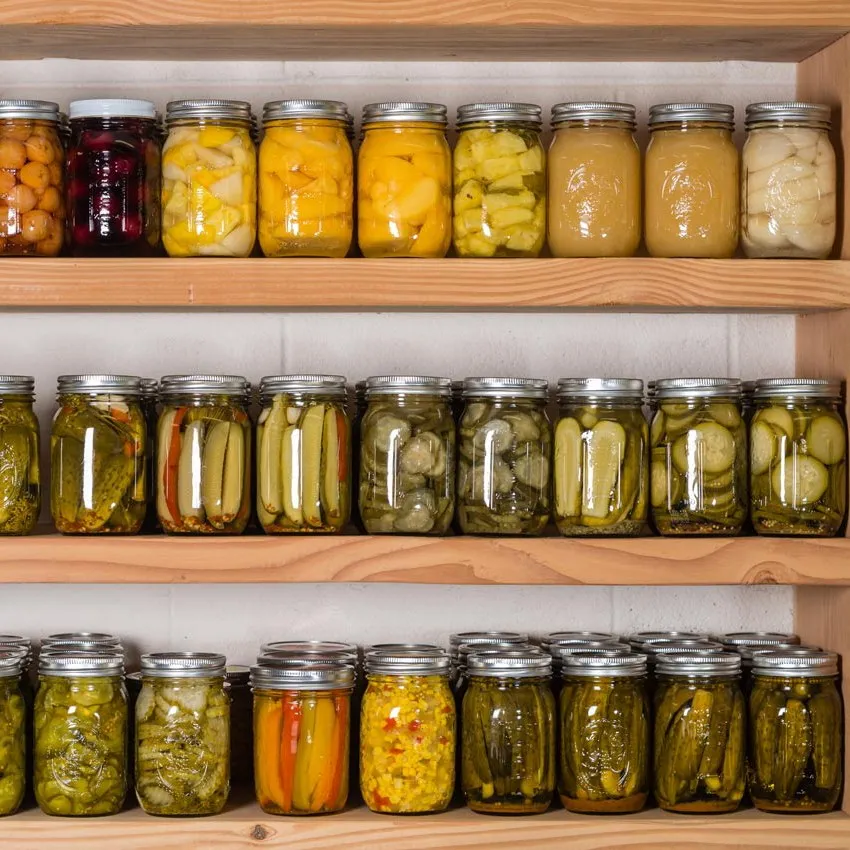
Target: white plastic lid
111 108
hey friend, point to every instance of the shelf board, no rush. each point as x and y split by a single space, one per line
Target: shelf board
638 283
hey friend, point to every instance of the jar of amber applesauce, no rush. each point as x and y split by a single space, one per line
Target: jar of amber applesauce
594 181
691 181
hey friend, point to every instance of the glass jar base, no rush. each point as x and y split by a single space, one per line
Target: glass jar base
508 808
701 807
625 805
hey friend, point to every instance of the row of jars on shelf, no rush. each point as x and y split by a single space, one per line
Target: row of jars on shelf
203 192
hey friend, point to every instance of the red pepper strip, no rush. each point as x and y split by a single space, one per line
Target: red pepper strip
338 745
169 484
289 749
120 415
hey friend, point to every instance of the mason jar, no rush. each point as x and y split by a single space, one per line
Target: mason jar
746 644
478 640
99 455
20 476
499 181
13 729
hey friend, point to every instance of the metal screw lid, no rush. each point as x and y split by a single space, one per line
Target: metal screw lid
536 388
463 651
227 385
112 108
408 385
509 663
303 677
407 662
707 664
81 646
675 113
404 111
183 665
606 663
593 110
697 387
816 115
16 640
784 663
17 385
793 387
82 664
747 653
100 638
333 385
570 646
129 385
753 639
682 647
149 388
602 388
324 647
208 108
282 658
473 638
31 110
334 110
406 647
476 113
12 662
643 638
237 676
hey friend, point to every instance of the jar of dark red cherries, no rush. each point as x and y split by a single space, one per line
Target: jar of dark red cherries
113 178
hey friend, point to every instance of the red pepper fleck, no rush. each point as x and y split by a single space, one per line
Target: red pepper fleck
418 739
390 724
396 751
447 710
380 802
443 740
414 726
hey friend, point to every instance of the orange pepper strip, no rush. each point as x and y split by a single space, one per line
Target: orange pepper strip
169 484
338 752
120 415
289 748
267 746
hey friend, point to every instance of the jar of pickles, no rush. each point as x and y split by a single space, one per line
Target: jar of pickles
698 471
788 181
32 179
691 183
601 450
98 452
113 178
404 176
203 476
594 181
499 181
407 454
746 644
303 454
306 179
798 457
13 730
505 453
20 478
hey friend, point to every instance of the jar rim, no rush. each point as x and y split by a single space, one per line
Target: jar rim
325 677
229 385
683 113
803 662
591 664
208 108
31 110
814 115
407 385
710 665
642 638
334 110
81 664
130 385
504 663
407 662
12 662
471 638
405 112
163 665
697 388
778 387
736 639
475 113
626 389
593 110
309 384
17 384
532 388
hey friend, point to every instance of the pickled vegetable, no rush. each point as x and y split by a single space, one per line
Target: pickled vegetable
20 479
13 750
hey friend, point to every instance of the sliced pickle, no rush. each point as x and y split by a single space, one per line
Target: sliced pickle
763 447
826 440
778 416
568 466
605 446
800 481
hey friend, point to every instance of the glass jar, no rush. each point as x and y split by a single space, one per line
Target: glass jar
303 454
601 450
479 640
13 730
182 734
796 731
306 179
499 181
798 458
237 683
407 732
691 183
98 453
699 733
81 734
203 478
32 179
404 181
505 453
302 722
113 179
594 181
788 181
746 644
209 179
20 478
698 471
407 456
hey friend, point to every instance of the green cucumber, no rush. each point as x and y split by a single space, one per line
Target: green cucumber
707 448
825 439
799 481
778 416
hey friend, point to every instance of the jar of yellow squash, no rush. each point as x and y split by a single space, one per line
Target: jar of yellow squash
209 179
404 181
306 179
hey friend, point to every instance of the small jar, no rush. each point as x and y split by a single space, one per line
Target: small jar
594 181
601 458
13 730
691 184
237 683
698 471
182 734
303 444
203 478
113 179
503 479
302 722
798 457
32 179
209 179
20 477
81 734
404 181
788 181
407 455
499 181
746 644
306 179
700 730
407 732
99 456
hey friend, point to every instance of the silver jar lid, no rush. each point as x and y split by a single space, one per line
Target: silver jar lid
334 110
308 384
408 385
333 648
81 664
208 108
560 651
282 658
676 113
227 385
509 664
405 647
12 662
16 640
682 647
476 113
100 638
183 665
697 387
30 110
756 639
816 115
708 665
593 110
149 387
462 652
473 638
407 662
303 677
793 387
536 388
130 385
614 663
81 646
601 388
747 653
569 638
404 112
797 662
644 638
17 385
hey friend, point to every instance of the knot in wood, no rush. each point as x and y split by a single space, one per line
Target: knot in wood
259 833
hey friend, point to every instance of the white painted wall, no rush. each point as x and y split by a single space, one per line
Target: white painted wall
235 619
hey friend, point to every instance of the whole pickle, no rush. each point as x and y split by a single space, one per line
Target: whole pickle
20 484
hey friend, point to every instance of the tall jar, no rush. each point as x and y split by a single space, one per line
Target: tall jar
796 731
203 474
404 181
32 179
81 734
306 179
182 734
20 476
698 471
407 456
98 454
600 476
499 181
691 186
13 730
303 454
700 723
505 454
209 179
594 181
798 458
788 181
113 179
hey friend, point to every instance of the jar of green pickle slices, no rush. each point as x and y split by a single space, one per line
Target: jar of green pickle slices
505 457
13 730
699 733
407 456
20 479
798 457
601 449
698 471
796 731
